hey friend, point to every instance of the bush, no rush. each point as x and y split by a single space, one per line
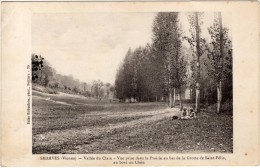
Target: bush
227 107
40 88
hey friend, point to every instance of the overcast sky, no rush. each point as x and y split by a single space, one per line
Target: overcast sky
91 46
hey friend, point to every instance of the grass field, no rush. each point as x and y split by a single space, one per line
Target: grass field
64 123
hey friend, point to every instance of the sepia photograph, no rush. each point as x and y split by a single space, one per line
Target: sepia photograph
132 82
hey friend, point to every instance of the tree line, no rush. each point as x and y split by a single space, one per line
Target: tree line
45 75
166 67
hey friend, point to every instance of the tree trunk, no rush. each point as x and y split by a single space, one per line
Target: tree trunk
181 106
190 93
156 99
207 99
219 89
174 96
219 93
170 99
197 107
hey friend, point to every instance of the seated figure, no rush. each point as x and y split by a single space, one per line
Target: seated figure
193 114
184 115
188 115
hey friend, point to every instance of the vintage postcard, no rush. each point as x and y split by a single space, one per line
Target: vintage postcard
130 83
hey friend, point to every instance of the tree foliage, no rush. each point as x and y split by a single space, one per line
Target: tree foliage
219 65
152 71
37 64
97 89
44 74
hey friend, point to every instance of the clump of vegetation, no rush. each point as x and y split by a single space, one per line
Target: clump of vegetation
37 65
40 88
227 106
166 68
45 79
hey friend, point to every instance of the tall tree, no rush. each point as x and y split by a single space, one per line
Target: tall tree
152 75
197 107
221 49
124 78
179 63
166 48
199 47
96 89
42 72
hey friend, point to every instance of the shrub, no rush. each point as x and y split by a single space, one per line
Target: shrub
227 106
42 89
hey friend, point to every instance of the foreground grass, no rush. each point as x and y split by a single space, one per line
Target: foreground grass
50 115
86 128
209 133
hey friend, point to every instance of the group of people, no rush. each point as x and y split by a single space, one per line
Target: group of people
186 114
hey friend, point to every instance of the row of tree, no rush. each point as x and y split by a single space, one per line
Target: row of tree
167 67
45 75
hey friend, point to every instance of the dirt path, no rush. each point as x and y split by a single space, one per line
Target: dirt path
87 135
155 117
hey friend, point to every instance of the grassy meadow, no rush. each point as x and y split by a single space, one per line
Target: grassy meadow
65 123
